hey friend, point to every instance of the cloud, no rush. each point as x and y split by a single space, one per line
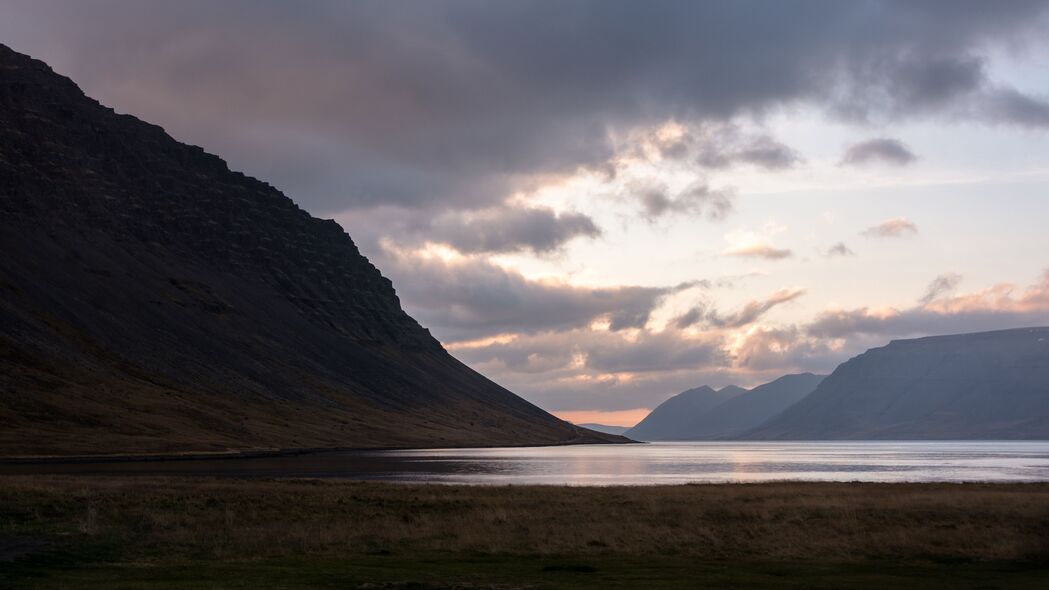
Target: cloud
652 351
600 352
718 145
763 250
882 150
999 307
784 349
586 368
456 105
511 229
751 312
1006 105
752 245
691 317
840 249
697 199
767 153
470 298
941 285
892 228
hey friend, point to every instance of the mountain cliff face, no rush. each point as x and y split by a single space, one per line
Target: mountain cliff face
670 419
154 300
991 385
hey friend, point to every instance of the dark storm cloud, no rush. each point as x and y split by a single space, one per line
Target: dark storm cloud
511 229
880 150
454 104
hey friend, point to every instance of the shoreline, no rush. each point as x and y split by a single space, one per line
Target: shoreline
261 453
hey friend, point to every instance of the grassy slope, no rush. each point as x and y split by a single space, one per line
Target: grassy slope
137 533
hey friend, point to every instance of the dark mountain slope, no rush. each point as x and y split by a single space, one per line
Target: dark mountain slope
670 419
749 410
153 300
990 385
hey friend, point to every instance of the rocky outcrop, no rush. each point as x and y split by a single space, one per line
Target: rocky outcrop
154 300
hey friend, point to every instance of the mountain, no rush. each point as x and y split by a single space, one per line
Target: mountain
670 419
990 385
153 300
750 409
605 428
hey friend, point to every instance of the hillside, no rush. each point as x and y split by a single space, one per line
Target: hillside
670 419
605 428
749 410
156 301
989 385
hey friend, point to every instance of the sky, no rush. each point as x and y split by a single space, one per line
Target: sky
599 204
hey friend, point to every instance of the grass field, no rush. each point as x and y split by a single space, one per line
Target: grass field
82 532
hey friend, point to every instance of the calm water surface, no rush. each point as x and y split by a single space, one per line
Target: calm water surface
648 464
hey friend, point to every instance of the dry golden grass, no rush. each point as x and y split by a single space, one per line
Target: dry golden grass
222 518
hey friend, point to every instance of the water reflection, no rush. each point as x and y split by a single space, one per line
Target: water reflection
662 463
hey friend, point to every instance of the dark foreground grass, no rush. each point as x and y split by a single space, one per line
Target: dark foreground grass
79 532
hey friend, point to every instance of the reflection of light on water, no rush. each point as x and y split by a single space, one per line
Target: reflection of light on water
650 464
710 462
741 460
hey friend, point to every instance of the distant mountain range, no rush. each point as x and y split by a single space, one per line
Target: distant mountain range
671 419
605 428
988 385
153 300
706 414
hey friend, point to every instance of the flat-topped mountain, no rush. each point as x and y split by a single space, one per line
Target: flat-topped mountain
154 300
989 385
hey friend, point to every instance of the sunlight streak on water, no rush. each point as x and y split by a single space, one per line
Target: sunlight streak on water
689 462
642 464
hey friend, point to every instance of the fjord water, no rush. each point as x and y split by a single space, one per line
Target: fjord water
636 464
